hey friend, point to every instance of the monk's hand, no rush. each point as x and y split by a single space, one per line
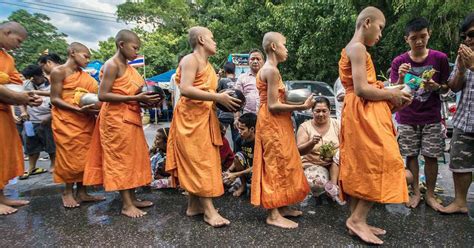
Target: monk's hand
403 70
33 99
310 101
228 101
89 109
149 98
399 97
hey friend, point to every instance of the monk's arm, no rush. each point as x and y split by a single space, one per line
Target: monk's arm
57 78
272 77
105 92
12 97
304 143
41 93
362 88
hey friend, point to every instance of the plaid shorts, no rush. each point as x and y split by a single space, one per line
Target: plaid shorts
462 152
426 139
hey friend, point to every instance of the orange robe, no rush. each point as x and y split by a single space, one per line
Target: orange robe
118 158
11 154
278 179
192 156
371 167
72 131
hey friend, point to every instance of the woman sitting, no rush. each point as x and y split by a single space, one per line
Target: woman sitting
321 168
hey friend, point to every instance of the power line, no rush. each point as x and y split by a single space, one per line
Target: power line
60 12
68 7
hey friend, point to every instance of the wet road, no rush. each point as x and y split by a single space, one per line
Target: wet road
46 223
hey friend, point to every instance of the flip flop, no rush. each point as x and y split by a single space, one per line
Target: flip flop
24 176
37 171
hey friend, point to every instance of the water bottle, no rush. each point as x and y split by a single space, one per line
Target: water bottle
29 130
333 191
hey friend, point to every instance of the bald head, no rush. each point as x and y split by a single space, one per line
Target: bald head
76 47
195 33
14 27
126 36
370 13
270 38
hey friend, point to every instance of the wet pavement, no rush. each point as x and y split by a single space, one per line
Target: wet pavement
46 223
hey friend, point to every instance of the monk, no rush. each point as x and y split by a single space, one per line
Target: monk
72 125
193 158
118 157
278 179
371 167
12 34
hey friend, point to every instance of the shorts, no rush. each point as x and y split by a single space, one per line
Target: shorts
462 152
246 162
42 141
313 172
426 139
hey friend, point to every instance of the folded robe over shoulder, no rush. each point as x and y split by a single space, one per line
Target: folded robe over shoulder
371 167
192 156
278 179
118 158
11 153
72 131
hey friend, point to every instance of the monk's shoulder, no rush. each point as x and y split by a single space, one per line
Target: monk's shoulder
59 72
355 48
189 60
269 71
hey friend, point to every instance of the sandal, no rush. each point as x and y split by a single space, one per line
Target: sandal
24 176
37 171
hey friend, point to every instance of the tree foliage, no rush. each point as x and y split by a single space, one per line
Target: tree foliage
42 35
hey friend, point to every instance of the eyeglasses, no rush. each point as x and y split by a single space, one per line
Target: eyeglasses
469 34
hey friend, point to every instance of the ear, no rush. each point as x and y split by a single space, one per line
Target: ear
367 22
201 39
406 38
273 46
430 32
252 129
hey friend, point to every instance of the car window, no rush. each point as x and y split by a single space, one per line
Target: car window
318 89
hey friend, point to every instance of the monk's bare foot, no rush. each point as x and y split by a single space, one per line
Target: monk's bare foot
133 212
142 204
14 203
239 191
433 203
414 200
216 220
363 231
289 212
454 208
373 229
282 222
6 210
194 211
84 197
69 201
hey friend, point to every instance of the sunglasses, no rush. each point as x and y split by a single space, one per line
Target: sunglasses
469 34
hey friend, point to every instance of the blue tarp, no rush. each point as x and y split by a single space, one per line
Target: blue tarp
93 68
162 78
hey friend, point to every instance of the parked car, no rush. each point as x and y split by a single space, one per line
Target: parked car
319 89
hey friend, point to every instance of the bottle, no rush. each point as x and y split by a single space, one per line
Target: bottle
29 130
333 191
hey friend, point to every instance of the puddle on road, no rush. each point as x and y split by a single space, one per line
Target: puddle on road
398 209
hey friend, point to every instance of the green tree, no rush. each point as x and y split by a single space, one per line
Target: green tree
42 35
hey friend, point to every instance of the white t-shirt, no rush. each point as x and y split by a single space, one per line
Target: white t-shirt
175 89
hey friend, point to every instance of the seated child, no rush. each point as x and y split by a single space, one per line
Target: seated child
242 166
158 160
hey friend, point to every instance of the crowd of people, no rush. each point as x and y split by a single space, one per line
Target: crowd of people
360 157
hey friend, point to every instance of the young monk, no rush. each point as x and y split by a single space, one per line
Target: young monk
278 179
72 125
193 157
371 167
12 34
118 158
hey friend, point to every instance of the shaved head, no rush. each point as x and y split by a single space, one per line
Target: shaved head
370 13
77 47
269 38
126 36
14 27
194 33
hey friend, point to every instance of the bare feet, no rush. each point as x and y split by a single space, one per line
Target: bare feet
414 200
133 212
194 211
14 203
239 191
216 220
431 201
282 222
286 211
69 201
6 210
373 229
84 197
454 208
362 230
142 204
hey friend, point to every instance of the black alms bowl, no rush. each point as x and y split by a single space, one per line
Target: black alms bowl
235 94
